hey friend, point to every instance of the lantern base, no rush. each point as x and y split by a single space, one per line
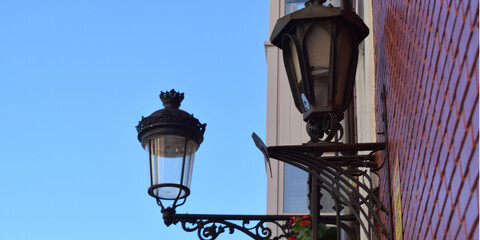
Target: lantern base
324 128
168 191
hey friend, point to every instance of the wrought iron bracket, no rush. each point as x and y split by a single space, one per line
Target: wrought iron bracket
347 177
258 227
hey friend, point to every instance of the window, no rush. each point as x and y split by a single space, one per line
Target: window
295 192
293 5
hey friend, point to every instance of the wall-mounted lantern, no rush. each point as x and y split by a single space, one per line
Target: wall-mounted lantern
320 52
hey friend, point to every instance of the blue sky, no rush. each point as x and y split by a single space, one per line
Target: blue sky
75 79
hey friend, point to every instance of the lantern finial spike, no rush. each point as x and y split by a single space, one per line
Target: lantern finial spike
171 99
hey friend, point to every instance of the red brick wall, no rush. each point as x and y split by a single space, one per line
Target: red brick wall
426 56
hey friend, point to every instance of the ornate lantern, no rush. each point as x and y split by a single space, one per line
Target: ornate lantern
171 136
320 51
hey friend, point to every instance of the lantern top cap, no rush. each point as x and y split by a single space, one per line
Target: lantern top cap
170 121
172 98
314 12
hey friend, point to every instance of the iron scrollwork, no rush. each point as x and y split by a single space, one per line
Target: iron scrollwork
325 128
340 177
209 227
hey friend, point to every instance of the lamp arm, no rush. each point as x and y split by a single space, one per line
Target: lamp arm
258 227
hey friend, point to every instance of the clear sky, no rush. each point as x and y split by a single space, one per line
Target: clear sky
75 79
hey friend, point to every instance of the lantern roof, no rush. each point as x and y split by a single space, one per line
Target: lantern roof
170 121
314 12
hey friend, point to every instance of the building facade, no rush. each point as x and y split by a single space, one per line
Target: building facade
423 55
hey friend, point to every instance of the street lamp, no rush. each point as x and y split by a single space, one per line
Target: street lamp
171 136
320 52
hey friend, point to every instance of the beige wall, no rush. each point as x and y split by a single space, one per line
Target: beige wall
284 123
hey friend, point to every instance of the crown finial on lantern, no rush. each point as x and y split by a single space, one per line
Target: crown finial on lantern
171 99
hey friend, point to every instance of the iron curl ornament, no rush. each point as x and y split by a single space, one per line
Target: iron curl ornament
209 227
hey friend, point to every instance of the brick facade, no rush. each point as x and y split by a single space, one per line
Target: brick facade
426 56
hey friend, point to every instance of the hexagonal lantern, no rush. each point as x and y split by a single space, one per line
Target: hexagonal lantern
320 51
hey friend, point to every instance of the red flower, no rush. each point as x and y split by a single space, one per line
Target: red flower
305 217
305 223
293 237
292 221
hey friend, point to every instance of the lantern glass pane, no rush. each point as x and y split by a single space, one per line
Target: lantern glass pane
294 67
171 162
318 46
296 63
345 51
